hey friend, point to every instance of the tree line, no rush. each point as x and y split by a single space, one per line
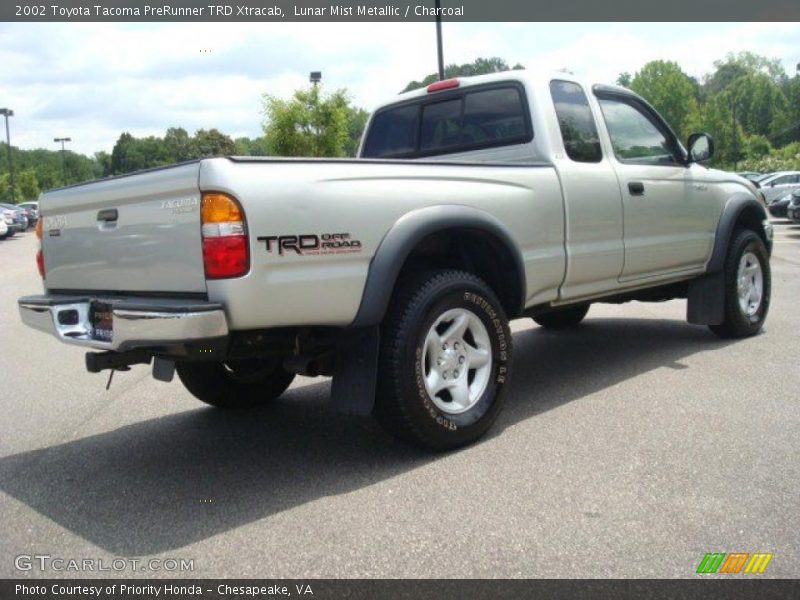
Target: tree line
748 103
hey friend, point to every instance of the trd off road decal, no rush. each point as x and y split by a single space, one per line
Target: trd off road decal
311 243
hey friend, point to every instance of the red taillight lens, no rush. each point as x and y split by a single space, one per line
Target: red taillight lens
40 262
444 84
225 243
225 256
39 253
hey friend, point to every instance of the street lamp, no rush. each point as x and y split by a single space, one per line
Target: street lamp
315 77
7 112
63 155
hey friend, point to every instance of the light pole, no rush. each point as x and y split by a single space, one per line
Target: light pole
439 51
315 77
7 112
63 155
735 140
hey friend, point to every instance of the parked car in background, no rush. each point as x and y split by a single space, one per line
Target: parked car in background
32 208
777 185
793 208
8 219
31 215
751 175
3 229
32 204
778 206
20 216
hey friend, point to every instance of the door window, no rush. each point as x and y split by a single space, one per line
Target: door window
635 137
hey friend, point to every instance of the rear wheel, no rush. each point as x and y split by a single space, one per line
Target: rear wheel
748 286
563 317
235 384
444 360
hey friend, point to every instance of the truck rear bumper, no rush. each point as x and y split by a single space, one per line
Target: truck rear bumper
136 322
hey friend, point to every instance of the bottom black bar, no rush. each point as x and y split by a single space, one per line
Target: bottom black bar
388 589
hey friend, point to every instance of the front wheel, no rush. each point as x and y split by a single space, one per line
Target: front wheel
748 285
235 384
444 360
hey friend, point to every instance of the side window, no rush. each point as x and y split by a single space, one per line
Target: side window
578 129
634 137
392 133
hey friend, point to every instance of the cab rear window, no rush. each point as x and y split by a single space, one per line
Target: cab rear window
457 121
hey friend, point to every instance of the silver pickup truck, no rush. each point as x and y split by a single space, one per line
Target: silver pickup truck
473 202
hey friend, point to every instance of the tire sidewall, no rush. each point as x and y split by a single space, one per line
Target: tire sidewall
452 429
748 242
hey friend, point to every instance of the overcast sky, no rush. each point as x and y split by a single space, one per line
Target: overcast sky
93 81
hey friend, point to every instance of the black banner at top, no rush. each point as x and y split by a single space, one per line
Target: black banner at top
403 10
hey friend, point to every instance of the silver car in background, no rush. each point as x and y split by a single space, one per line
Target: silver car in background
777 185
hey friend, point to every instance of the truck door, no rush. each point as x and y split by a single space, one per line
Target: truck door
592 202
668 228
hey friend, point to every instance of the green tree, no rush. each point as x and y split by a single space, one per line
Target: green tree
670 91
480 66
27 185
178 144
308 124
357 121
245 146
210 142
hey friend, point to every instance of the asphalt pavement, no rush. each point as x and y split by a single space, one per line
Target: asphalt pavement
629 447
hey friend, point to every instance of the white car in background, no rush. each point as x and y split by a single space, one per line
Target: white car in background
3 229
777 185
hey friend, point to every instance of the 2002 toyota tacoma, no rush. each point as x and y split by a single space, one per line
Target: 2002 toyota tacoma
473 201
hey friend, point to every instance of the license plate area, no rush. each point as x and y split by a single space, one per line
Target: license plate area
101 319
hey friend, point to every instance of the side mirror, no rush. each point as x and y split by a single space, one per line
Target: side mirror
701 147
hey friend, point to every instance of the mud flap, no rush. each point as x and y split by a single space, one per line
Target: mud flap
706 297
355 375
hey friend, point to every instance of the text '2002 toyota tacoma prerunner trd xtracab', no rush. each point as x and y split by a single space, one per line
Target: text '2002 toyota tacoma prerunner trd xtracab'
473 201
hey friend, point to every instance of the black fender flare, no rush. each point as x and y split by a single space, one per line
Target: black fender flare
734 208
406 233
706 295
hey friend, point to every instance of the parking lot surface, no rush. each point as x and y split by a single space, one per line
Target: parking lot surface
628 447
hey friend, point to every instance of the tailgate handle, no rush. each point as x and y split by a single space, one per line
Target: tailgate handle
108 215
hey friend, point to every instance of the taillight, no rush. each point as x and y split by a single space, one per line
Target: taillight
225 244
39 253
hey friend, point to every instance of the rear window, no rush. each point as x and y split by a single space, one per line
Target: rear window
456 122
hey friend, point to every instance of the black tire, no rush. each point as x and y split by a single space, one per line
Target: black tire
737 322
235 384
403 406
563 317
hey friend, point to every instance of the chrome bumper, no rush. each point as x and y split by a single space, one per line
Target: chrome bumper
137 323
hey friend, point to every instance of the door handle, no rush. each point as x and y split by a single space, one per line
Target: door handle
636 188
108 215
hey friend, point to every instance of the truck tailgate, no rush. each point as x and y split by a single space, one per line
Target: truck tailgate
136 233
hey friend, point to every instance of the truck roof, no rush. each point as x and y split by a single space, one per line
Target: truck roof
532 77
